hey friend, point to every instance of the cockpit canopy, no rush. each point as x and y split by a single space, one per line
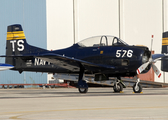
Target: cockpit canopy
102 41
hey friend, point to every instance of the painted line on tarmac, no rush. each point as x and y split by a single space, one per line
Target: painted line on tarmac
40 111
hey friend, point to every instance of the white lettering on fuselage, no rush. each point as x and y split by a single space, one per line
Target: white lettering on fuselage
13 45
123 53
20 44
38 61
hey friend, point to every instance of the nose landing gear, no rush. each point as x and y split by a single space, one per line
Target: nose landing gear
137 88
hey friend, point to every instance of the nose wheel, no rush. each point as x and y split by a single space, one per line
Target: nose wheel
137 88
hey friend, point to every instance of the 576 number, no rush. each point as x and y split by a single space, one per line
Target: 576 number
123 53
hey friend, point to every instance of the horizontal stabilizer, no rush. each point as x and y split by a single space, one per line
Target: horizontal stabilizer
157 56
5 66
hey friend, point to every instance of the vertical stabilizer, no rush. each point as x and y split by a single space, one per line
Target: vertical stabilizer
16 45
15 42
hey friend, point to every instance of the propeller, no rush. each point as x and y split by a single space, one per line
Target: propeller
153 58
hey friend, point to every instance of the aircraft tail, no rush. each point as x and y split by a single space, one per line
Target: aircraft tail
16 45
164 61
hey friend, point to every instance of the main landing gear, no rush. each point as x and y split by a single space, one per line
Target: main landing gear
82 85
118 85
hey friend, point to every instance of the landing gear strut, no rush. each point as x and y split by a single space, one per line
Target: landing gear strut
137 88
82 85
118 85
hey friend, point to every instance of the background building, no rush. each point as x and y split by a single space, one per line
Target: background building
55 24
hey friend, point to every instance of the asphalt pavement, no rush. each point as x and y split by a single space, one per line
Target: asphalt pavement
97 104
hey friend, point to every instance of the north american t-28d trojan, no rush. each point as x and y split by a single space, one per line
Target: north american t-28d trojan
104 55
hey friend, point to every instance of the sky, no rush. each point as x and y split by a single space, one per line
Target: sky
31 14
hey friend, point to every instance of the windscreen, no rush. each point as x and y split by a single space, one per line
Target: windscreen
101 41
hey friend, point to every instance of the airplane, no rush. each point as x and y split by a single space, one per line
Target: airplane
103 56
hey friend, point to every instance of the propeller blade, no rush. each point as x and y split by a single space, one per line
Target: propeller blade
142 67
151 43
156 70
153 58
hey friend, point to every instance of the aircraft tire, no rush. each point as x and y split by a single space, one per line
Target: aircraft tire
83 90
118 87
137 89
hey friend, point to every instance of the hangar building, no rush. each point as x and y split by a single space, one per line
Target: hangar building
56 24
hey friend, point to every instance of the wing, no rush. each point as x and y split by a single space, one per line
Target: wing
69 63
72 64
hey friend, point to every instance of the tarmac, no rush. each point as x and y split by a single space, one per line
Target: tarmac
97 104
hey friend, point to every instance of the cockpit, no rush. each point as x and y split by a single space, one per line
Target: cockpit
102 41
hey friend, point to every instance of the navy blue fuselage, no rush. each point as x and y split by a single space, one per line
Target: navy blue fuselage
99 55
